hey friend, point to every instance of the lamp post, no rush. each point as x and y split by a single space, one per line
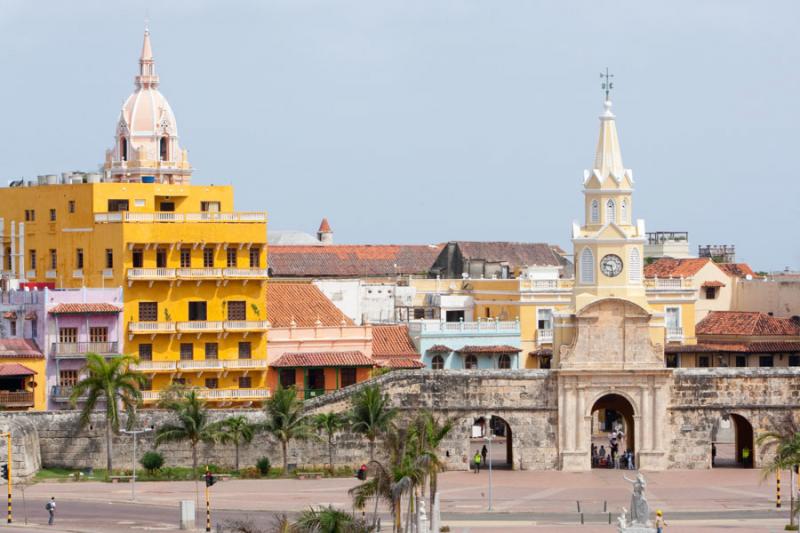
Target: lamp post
489 440
135 433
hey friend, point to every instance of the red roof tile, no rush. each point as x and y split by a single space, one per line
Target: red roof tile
306 359
713 283
518 254
15 369
304 303
752 347
439 348
20 349
401 362
745 323
345 260
324 226
489 349
666 267
81 308
392 341
738 270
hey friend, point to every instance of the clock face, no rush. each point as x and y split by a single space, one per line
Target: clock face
611 265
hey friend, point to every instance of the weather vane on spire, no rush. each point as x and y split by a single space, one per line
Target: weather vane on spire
607 84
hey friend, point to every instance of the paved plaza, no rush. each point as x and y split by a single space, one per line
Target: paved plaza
703 501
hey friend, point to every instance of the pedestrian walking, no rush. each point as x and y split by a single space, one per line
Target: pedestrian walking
660 522
51 510
477 461
484 451
713 453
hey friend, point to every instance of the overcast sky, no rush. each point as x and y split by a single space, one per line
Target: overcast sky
428 121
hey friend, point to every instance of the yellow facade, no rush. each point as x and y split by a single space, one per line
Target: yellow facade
193 272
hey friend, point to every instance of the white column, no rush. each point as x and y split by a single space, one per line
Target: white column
647 416
580 420
659 418
570 418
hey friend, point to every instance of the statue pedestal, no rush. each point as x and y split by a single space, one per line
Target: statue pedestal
637 529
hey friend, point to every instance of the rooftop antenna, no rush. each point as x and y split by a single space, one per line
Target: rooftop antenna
607 84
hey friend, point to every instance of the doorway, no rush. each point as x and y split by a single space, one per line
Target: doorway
502 450
613 433
732 443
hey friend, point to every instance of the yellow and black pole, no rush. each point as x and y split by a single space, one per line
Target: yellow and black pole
208 500
778 489
8 471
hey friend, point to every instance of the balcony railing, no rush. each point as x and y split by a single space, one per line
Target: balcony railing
245 273
544 335
458 327
150 274
200 364
200 326
16 399
199 273
245 325
545 285
63 393
244 364
73 350
674 334
667 284
155 366
151 327
171 217
218 394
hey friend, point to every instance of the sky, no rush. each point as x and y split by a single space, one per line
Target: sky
428 121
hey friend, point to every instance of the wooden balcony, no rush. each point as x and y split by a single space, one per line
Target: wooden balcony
78 350
16 400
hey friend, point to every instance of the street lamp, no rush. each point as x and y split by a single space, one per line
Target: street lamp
489 440
135 433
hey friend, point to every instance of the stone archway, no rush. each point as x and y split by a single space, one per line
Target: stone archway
733 442
502 443
616 413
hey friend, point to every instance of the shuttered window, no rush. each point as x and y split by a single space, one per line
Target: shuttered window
634 266
587 266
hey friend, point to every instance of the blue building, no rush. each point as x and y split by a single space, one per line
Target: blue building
465 345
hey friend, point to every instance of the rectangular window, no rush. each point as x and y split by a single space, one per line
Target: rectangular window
148 311
741 361
794 359
145 352
137 257
186 257
68 335
208 257
244 350
139 202
161 258
197 310
79 258
117 205
237 310
211 207
13 327
167 207
711 293
673 317
672 360
231 257
347 377
109 258
52 215
27 215
766 361
419 313
544 318
245 382
53 259
98 334
287 377
32 258
255 257
702 361
67 378
187 351
71 206
212 350
212 383
32 215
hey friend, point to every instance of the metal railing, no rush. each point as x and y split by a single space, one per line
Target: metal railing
80 349
63 393
544 335
16 399
151 327
151 273
199 326
172 217
245 325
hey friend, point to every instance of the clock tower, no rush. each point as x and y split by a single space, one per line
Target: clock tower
609 244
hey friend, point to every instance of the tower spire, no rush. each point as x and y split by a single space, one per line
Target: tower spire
147 70
608 157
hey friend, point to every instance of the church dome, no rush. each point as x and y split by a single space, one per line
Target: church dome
147 112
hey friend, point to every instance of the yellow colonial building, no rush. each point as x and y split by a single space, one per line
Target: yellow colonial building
193 270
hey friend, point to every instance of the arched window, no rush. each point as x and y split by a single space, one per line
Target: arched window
611 212
123 149
587 266
164 149
634 265
437 362
623 211
504 361
595 214
471 362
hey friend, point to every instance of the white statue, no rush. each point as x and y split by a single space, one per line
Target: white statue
622 520
640 509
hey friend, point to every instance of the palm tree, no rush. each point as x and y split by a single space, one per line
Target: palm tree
329 424
329 520
112 381
236 430
192 425
786 441
371 415
286 421
430 432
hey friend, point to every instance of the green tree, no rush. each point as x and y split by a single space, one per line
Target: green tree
785 440
286 421
329 520
329 424
192 424
430 432
112 382
236 430
371 415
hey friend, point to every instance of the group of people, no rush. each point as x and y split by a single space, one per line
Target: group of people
611 458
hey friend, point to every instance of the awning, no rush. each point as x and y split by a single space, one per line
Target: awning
68 309
712 284
311 359
15 369
10 315
503 348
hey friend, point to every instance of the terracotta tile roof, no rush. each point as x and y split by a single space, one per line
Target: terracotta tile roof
80 308
518 254
346 260
324 226
745 323
666 267
401 362
15 369
20 348
392 341
439 348
10 315
305 359
738 270
752 347
304 303
489 349
542 351
713 283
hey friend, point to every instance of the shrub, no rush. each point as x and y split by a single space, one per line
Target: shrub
250 472
263 465
152 461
